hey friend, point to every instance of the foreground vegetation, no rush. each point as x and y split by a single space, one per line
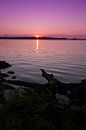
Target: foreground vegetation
37 107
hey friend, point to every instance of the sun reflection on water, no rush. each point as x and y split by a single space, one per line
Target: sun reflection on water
37 45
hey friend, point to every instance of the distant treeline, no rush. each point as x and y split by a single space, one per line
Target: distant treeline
43 38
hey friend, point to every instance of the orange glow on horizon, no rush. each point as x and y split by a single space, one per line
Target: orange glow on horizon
37 36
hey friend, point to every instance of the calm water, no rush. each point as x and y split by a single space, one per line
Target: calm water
65 59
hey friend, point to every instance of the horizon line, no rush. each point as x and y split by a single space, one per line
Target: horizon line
39 38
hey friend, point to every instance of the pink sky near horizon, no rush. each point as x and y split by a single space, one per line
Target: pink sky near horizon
43 17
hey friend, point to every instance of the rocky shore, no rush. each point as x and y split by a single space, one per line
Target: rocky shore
52 106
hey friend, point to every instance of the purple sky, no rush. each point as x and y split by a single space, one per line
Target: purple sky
43 17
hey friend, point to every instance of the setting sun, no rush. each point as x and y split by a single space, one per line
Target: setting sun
37 36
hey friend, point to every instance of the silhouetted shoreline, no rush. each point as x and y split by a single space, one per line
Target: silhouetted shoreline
39 38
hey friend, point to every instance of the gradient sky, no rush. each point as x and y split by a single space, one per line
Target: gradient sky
43 17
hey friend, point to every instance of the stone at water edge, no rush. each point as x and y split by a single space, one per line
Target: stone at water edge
13 77
4 65
4 75
11 72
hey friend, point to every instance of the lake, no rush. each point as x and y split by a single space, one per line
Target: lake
66 59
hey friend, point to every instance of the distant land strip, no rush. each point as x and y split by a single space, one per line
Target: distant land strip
39 38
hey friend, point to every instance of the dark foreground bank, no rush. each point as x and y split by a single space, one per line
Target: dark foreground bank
51 106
